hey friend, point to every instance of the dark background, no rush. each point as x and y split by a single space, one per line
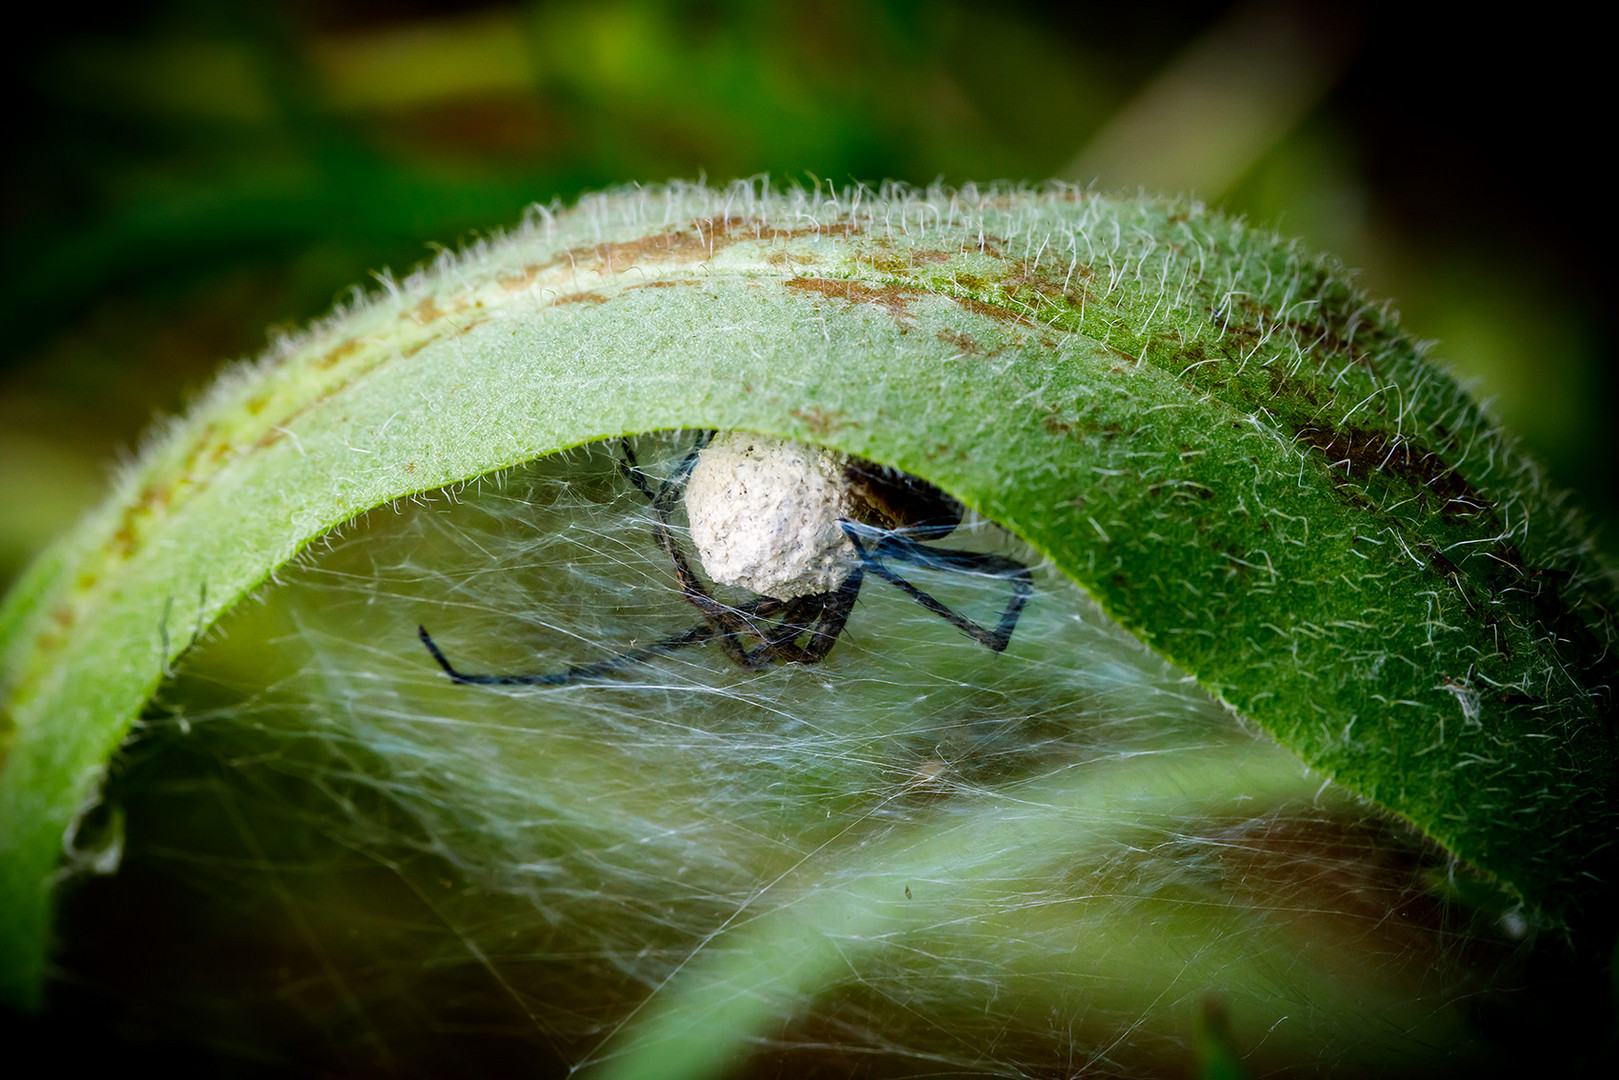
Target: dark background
184 174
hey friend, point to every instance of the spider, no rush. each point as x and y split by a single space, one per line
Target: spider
782 519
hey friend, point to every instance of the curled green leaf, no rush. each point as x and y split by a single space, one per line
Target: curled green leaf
1239 456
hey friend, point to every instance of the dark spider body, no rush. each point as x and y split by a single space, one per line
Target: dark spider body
890 512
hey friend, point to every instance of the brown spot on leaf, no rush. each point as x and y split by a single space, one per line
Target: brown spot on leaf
579 298
992 311
892 298
664 284
335 356
1038 283
1489 576
1329 321
818 420
522 279
910 259
1365 452
962 343
152 499
425 312
1440 564
1058 424
698 241
1282 388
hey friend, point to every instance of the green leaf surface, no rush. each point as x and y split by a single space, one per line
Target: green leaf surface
1242 458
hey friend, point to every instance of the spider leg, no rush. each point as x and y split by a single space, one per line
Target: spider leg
632 470
821 616
724 621
888 545
675 483
698 634
568 676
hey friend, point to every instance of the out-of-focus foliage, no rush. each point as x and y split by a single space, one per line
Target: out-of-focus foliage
189 173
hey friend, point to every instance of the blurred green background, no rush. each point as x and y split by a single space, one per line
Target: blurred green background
185 174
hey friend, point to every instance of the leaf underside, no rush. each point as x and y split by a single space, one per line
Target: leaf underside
1243 459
